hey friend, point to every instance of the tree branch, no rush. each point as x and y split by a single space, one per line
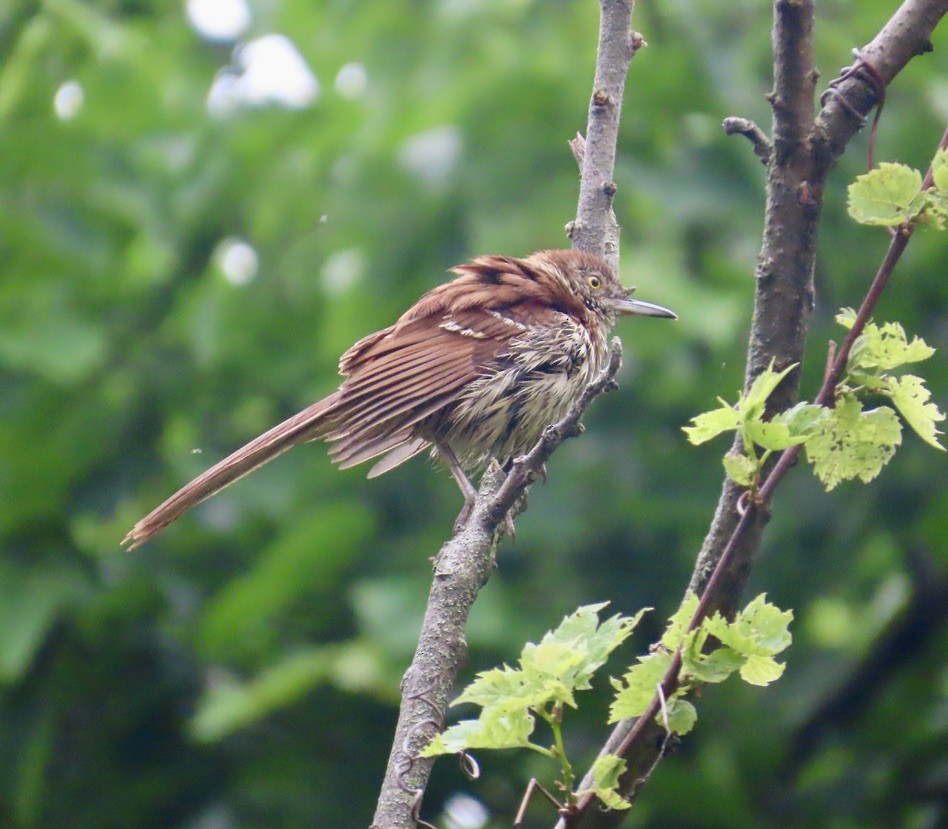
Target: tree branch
595 229
464 563
462 567
762 147
783 300
906 35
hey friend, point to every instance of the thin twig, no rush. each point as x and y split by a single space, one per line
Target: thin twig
534 785
734 125
595 229
465 562
800 166
577 146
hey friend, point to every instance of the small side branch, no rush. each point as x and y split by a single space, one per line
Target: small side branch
796 173
734 125
906 35
595 229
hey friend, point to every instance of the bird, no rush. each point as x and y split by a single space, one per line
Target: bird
474 371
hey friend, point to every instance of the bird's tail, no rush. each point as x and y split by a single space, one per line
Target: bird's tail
307 425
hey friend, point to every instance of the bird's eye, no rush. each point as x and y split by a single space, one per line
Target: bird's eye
594 282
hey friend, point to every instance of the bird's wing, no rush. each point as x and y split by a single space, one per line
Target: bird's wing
407 373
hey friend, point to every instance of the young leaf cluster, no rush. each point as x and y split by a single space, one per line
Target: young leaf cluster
854 442
846 441
549 673
759 438
747 645
543 684
892 195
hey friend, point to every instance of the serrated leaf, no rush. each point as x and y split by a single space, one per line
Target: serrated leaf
913 400
886 196
579 646
716 666
739 468
678 624
752 404
708 425
886 347
937 212
761 670
493 729
498 685
682 716
606 773
851 443
846 317
761 629
563 662
639 687
772 435
940 169
802 418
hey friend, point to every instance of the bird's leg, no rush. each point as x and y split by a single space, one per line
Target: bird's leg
464 483
508 518
467 489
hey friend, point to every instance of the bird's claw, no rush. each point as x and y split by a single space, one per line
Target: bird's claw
465 514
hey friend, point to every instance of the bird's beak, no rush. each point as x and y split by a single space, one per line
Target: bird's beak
638 308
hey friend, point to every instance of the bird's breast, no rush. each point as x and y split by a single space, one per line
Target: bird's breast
527 387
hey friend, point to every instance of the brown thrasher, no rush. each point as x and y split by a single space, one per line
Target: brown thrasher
476 369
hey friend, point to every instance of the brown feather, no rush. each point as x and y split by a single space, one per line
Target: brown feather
297 429
478 366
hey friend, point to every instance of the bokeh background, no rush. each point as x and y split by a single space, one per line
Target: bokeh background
203 204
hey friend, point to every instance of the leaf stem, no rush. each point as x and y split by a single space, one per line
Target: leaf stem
554 718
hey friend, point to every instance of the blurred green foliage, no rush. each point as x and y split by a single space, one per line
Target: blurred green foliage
242 670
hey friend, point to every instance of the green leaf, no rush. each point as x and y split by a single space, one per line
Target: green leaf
606 773
640 682
508 688
937 211
773 435
940 169
752 404
678 624
493 729
913 400
761 670
852 443
582 635
716 666
884 347
761 629
888 195
563 662
682 716
708 425
846 317
739 468
802 418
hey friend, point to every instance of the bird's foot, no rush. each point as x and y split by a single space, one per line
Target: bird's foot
464 515
509 527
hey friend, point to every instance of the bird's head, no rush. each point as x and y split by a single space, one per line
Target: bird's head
591 280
